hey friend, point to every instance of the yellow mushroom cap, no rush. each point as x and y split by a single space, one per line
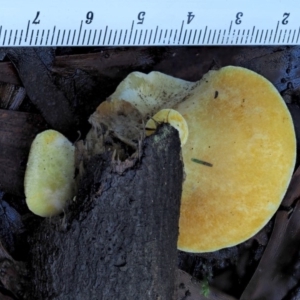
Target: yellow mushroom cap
238 159
49 177
174 118
239 154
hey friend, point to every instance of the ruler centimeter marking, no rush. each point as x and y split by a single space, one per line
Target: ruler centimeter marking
161 22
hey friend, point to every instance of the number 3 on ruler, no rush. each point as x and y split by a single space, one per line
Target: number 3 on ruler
238 16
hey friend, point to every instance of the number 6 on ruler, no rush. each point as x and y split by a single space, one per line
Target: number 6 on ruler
89 17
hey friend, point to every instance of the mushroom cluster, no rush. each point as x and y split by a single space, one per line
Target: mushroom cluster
238 148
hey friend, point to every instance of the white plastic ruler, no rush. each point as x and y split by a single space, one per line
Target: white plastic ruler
149 22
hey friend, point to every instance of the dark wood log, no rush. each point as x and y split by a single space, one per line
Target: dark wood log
122 243
32 65
11 96
11 276
17 131
278 64
9 74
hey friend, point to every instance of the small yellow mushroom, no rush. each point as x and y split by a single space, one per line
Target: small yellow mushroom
174 118
49 178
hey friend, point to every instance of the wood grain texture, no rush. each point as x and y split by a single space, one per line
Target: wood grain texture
17 131
121 243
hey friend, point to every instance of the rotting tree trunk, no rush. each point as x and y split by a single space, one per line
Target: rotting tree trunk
123 242
40 86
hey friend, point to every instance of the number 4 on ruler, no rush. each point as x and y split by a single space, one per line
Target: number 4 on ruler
190 17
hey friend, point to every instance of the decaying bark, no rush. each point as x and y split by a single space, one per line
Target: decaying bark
122 244
11 276
11 96
32 66
17 131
